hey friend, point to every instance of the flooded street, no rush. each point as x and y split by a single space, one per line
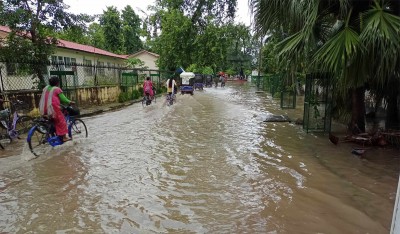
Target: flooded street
207 164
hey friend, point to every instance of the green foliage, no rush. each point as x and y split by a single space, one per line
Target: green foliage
96 36
131 30
112 27
76 34
357 43
193 68
207 71
136 94
161 90
135 63
32 24
127 96
140 89
124 96
230 72
200 11
176 41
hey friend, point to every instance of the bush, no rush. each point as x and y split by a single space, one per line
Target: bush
140 89
161 90
136 94
123 97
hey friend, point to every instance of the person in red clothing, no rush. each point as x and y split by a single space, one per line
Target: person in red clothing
148 87
50 105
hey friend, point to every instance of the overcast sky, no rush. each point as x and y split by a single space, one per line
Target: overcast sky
93 7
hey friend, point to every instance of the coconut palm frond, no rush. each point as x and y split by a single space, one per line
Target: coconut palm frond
381 35
267 13
337 51
292 45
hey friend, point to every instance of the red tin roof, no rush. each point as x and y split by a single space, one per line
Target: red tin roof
76 46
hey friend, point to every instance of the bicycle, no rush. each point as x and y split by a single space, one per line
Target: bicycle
43 132
15 126
171 99
147 99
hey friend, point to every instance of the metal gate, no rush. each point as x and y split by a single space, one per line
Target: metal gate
318 103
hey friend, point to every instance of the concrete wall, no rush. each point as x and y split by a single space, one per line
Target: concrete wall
85 97
97 95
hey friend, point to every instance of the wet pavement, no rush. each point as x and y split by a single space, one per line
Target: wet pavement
207 164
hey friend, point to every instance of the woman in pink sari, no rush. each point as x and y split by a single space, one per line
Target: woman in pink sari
52 97
148 87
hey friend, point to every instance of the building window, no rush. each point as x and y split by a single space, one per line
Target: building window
67 62
109 65
73 61
100 68
88 67
53 59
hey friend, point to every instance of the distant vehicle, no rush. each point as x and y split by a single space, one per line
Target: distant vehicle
187 85
199 82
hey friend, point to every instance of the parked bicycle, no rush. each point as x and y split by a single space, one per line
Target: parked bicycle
171 99
43 134
13 127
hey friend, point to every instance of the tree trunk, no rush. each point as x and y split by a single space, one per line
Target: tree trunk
357 124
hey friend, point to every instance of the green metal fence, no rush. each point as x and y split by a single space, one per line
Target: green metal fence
318 103
24 76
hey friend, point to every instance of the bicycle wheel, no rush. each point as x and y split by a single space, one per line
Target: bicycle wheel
144 101
24 123
5 139
77 129
154 99
37 141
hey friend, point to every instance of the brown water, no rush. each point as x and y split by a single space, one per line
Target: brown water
207 164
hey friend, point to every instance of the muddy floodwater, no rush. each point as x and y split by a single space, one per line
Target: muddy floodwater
207 164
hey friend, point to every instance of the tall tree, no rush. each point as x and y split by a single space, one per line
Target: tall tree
175 43
131 30
76 34
96 36
112 26
222 10
33 21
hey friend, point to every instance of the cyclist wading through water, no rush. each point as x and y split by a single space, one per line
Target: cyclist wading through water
148 90
171 86
50 105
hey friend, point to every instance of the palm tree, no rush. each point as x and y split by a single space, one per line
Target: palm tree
358 41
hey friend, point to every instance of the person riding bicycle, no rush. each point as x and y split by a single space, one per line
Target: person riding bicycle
50 105
216 80
222 80
171 86
148 87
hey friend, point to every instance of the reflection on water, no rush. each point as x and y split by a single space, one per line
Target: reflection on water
205 165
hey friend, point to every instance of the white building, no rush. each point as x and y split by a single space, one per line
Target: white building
69 53
149 58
